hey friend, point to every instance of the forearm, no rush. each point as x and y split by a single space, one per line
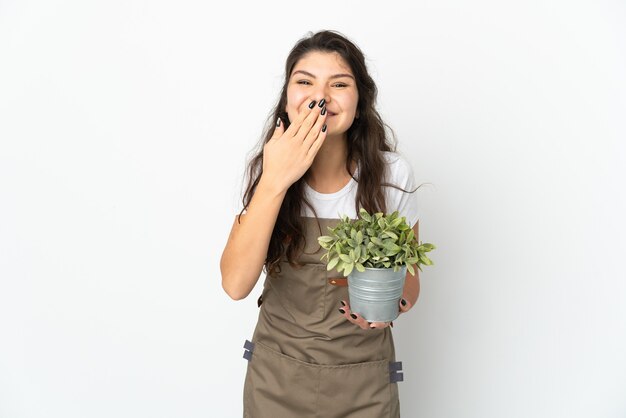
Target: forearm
411 289
246 250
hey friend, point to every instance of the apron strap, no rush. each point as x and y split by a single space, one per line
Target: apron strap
395 372
249 349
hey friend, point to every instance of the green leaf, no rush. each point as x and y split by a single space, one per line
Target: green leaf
392 251
396 222
357 252
332 263
345 258
391 235
348 269
360 267
377 241
359 237
389 244
410 268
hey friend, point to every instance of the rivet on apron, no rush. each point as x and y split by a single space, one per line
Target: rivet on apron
395 372
249 348
338 281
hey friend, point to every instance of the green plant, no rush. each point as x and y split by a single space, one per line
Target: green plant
376 241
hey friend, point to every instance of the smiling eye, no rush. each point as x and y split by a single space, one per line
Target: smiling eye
303 82
341 85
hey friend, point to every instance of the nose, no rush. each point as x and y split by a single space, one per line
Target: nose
321 93
318 99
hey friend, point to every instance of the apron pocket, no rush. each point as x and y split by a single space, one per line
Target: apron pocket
279 386
358 390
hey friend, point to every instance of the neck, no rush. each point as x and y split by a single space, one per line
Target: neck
328 172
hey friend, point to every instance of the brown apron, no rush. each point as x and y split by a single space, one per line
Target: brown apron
307 360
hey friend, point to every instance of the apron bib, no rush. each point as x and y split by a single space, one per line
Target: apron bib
305 359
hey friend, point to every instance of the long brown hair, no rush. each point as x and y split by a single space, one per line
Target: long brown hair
367 140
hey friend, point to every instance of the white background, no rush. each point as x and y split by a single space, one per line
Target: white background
124 131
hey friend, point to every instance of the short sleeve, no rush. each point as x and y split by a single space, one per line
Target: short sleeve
401 175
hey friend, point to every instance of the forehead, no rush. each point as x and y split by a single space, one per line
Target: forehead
319 62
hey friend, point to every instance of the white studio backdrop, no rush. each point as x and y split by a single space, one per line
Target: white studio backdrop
124 131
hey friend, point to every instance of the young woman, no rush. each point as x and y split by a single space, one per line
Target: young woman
325 154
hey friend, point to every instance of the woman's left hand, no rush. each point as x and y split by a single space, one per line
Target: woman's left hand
404 305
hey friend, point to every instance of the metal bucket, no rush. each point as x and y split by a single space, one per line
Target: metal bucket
375 293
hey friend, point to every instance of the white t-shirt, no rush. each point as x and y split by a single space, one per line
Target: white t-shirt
335 205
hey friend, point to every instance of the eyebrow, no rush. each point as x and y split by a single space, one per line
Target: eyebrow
331 77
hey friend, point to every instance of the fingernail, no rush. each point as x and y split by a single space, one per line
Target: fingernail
342 311
323 112
353 316
311 104
403 302
278 122
343 303
324 128
321 103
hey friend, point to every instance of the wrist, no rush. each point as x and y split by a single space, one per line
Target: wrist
271 187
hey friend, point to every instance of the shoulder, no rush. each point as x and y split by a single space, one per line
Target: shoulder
399 166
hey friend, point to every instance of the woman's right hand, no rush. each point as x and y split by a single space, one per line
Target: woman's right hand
289 153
